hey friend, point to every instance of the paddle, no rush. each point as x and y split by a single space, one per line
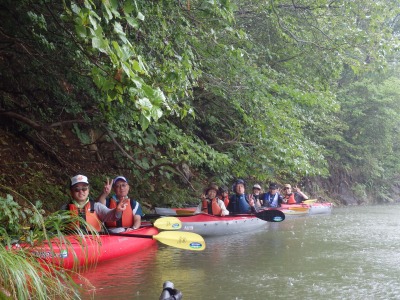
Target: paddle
310 201
298 208
269 215
178 239
168 223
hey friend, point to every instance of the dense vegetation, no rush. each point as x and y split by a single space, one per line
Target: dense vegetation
174 94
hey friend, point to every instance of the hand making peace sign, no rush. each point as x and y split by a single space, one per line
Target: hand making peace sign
107 187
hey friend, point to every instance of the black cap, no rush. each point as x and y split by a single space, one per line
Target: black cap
273 186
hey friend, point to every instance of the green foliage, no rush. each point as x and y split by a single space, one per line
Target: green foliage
260 90
369 143
23 276
38 184
360 191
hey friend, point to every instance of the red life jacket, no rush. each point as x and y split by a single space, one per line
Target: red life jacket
87 213
127 215
211 207
290 199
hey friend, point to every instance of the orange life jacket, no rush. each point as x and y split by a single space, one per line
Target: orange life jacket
211 207
127 215
226 200
87 213
290 199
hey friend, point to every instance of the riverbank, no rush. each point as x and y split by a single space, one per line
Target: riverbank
35 172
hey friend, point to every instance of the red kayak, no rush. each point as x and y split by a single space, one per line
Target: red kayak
294 210
307 208
88 250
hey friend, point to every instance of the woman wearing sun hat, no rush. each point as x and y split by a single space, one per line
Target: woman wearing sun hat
256 195
210 204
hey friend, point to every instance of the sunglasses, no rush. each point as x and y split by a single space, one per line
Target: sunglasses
286 188
78 189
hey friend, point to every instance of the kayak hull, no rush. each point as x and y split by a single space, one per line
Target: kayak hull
89 250
209 225
299 210
294 210
321 208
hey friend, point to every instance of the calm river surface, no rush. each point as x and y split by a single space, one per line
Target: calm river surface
351 254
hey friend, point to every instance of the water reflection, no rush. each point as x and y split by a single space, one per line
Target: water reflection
119 277
350 254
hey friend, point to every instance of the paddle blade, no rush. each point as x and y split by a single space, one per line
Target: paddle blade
299 209
271 215
310 201
181 239
168 223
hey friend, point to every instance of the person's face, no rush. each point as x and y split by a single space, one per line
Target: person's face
287 190
80 192
121 188
256 191
212 193
272 191
240 188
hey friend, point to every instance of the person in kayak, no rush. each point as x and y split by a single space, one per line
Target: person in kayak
210 203
272 198
240 203
293 196
132 217
223 194
256 195
92 212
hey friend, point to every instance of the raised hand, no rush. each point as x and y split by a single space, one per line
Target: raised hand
122 205
251 200
107 187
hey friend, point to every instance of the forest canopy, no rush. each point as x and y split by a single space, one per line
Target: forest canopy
176 94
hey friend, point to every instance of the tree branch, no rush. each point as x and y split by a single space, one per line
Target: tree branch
23 119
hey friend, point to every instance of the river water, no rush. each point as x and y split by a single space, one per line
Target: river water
352 253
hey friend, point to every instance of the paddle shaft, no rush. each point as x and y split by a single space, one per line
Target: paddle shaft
177 239
155 216
144 236
166 223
